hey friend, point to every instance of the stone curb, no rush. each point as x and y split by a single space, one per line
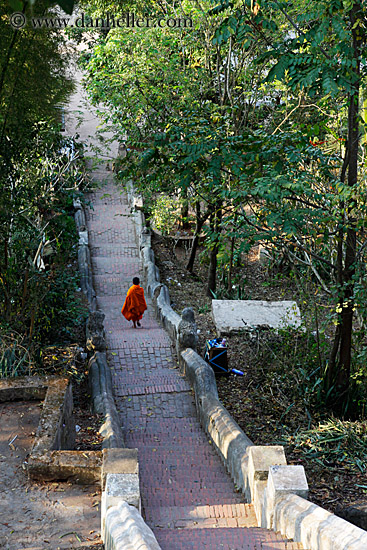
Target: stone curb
56 428
314 527
126 530
253 468
99 372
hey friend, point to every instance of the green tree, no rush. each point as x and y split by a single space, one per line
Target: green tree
323 53
177 96
33 84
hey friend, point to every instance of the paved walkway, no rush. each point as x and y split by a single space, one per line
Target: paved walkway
188 499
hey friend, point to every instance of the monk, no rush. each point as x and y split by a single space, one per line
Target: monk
135 304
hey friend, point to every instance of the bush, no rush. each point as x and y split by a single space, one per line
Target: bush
164 214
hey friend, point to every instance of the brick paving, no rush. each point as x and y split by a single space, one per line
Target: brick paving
188 499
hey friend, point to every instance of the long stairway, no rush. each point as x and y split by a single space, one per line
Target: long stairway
188 499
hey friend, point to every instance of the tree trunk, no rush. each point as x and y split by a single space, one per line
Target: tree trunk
5 282
194 247
230 269
200 220
339 374
184 211
212 273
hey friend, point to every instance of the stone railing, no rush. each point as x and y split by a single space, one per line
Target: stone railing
278 491
100 378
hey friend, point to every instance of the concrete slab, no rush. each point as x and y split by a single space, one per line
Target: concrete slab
287 479
119 461
234 315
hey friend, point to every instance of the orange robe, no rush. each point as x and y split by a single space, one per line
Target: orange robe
135 304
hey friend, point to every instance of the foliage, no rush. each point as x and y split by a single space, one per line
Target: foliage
39 289
31 67
164 214
40 173
15 359
333 442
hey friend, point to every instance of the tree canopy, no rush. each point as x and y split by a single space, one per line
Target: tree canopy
254 116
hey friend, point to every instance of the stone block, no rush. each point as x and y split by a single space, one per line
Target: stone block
121 488
187 336
282 480
83 237
83 467
259 490
119 461
145 239
199 374
235 315
287 479
261 458
95 332
80 220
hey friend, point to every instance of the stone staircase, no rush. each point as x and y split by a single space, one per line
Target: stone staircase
188 498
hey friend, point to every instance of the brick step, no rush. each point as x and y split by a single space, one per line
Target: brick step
200 459
190 440
157 375
159 379
179 426
169 429
196 443
192 432
170 387
172 484
169 514
99 237
212 470
214 476
168 479
57 545
171 462
188 475
184 498
188 445
204 523
190 472
195 455
250 538
193 438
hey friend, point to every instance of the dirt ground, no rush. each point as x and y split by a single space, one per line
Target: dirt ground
37 516
258 401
